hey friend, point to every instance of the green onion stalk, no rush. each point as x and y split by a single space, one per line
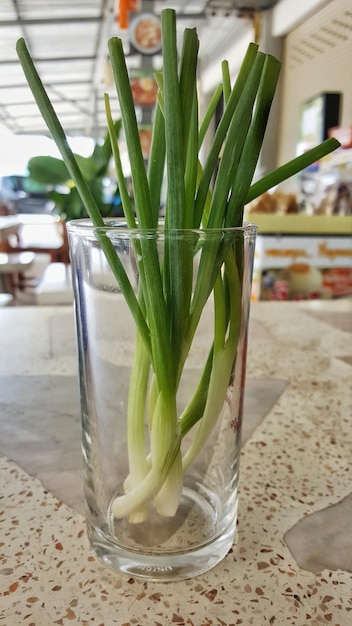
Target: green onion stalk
168 304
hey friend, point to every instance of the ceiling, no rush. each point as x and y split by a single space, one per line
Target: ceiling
68 43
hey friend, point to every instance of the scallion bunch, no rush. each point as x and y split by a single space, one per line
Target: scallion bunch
167 306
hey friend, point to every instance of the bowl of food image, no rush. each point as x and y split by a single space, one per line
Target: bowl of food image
145 33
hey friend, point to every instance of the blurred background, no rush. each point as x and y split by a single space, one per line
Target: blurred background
310 215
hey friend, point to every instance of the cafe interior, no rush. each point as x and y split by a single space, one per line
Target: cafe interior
69 47
291 562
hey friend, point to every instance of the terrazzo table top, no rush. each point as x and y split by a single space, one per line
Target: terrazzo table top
291 562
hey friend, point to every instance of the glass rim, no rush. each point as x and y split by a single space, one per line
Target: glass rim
85 225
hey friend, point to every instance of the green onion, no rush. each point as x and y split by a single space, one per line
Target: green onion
167 306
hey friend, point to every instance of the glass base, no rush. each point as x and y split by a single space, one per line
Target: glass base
167 549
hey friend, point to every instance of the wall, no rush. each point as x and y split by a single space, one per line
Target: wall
317 57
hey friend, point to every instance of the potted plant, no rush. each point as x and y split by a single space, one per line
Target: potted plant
53 172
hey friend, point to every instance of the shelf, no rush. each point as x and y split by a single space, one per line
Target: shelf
299 224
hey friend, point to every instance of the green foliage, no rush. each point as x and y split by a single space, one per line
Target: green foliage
52 171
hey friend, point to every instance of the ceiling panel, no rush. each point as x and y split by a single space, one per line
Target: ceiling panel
9 36
7 10
68 42
60 40
56 71
33 9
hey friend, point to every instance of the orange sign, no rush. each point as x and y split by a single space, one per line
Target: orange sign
123 9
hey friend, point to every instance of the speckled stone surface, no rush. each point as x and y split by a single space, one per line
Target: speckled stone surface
295 465
45 438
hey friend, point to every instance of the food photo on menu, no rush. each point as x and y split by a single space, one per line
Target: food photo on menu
145 33
144 90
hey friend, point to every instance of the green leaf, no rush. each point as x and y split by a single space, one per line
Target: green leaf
48 170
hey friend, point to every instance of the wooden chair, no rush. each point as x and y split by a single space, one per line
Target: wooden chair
12 266
31 237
